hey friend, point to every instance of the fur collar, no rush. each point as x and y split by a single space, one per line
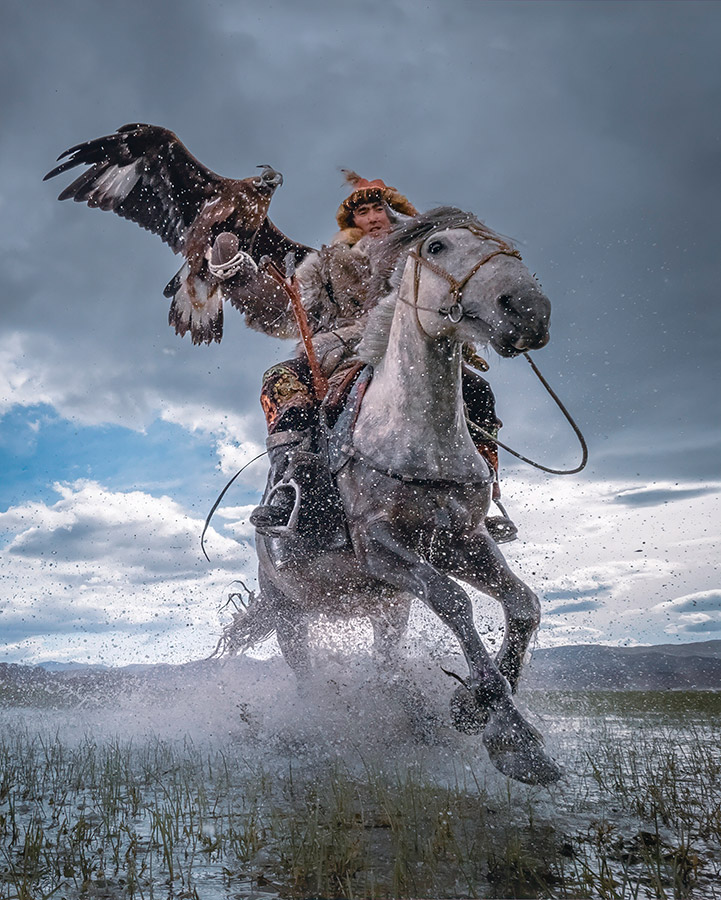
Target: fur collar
348 236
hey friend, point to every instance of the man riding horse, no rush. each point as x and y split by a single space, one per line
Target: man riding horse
411 494
335 290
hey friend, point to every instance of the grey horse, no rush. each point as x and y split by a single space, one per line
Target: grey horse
414 489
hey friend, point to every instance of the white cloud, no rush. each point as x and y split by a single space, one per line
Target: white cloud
696 615
19 383
231 434
110 573
118 576
237 520
580 543
700 600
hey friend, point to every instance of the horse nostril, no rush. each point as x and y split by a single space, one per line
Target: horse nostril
505 301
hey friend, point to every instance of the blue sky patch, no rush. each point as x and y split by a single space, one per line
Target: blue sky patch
38 448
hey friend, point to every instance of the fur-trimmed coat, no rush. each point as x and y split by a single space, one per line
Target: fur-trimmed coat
335 290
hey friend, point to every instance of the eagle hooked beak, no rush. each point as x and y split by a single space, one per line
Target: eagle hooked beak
270 179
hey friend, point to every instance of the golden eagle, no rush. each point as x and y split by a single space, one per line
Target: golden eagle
220 225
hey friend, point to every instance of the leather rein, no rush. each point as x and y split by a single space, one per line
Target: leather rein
455 312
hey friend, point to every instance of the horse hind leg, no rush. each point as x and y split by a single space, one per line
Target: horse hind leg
292 632
389 623
291 629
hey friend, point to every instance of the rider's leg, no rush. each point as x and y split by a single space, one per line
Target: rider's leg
481 410
291 412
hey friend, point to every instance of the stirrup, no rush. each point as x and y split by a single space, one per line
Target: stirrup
501 528
280 530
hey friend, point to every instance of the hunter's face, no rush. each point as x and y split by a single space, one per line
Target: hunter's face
372 219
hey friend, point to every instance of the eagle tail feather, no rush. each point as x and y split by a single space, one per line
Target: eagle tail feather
173 286
196 307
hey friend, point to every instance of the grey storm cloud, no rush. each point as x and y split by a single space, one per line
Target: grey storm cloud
90 529
700 627
657 496
587 131
575 594
706 601
581 606
54 619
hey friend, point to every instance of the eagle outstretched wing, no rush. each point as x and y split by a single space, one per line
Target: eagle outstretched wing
270 241
144 173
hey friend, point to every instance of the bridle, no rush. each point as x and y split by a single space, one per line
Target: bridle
455 311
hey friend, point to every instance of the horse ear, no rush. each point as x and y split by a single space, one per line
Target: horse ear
395 217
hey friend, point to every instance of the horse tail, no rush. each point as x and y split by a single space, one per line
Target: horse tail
250 625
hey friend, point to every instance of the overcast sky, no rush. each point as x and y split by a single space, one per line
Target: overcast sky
588 131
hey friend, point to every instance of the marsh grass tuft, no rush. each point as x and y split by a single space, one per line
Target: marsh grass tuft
639 816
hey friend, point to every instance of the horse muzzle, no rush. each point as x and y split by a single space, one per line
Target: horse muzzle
535 342
523 323
513 344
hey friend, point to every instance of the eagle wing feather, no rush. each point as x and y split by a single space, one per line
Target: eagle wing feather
143 173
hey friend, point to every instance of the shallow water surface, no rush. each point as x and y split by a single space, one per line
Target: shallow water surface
219 780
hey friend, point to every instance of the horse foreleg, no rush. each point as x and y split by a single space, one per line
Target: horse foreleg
386 558
514 746
480 563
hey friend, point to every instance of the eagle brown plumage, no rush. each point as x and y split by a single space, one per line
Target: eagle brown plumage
220 225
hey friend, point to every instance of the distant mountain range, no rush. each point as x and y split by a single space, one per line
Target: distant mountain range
588 667
582 667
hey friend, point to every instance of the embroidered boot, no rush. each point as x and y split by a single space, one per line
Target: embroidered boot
291 463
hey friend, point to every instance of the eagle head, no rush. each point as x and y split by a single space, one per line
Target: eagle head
268 180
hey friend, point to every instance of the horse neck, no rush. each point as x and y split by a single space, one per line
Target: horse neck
422 375
412 417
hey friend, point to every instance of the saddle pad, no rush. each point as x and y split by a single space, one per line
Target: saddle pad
341 435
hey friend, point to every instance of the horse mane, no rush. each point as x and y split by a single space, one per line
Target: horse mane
390 262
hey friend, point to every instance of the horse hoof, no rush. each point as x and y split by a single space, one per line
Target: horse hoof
531 765
515 748
466 715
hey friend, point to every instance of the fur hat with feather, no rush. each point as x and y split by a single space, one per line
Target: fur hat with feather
365 191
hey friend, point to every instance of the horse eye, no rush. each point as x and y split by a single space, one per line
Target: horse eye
435 247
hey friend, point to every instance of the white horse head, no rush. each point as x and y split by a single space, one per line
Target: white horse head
464 281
